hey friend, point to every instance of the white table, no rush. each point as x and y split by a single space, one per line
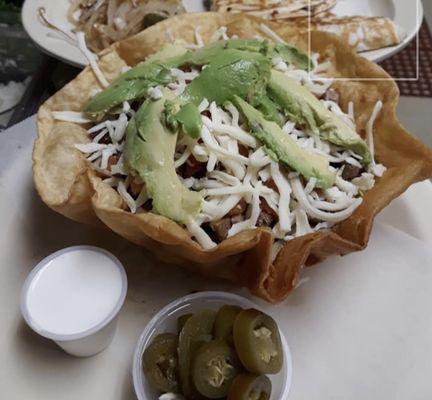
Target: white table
34 368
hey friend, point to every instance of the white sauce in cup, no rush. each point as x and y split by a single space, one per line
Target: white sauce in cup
74 294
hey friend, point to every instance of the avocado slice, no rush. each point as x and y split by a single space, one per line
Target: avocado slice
290 54
304 108
271 110
135 83
149 153
282 148
190 119
231 72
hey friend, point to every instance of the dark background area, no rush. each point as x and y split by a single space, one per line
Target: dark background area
20 59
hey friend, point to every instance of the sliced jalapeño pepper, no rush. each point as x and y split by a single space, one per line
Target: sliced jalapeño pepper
214 368
250 387
258 343
181 321
160 363
224 322
196 331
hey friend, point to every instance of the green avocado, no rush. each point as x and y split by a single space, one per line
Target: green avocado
271 110
304 108
164 59
282 148
231 72
149 153
291 55
134 84
190 119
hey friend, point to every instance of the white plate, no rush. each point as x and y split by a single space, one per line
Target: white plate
406 15
359 329
56 11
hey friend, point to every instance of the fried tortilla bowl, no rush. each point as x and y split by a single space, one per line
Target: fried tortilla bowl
67 183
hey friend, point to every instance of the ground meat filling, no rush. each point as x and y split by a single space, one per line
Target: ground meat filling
221 228
265 219
192 168
243 150
272 185
113 160
239 209
268 216
135 188
350 172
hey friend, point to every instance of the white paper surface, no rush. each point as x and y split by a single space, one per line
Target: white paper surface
359 329
361 326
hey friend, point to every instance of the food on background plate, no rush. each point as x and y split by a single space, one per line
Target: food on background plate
224 155
275 9
107 21
360 32
197 363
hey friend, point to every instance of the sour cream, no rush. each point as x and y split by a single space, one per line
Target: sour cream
74 293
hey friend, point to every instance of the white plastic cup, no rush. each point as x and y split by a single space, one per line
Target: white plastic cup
92 340
166 321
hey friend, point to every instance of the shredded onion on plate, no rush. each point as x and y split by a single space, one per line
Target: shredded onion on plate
107 21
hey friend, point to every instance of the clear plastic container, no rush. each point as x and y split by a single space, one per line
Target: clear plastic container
166 321
93 337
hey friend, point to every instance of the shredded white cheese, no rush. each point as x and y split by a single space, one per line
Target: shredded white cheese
124 194
200 235
378 170
71 116
284 197
252 220
92 59
314 212
88 148
271 33
155 92
220 34
302 222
